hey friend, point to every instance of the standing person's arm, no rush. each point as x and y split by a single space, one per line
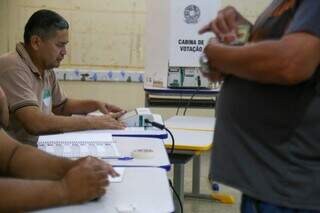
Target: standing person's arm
290 60
226 22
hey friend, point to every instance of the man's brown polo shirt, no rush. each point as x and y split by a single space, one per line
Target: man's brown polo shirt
24 86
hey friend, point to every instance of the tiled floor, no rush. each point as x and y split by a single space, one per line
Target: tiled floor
192 205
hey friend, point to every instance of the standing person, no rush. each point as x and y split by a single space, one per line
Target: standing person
37 104
267 138
32 179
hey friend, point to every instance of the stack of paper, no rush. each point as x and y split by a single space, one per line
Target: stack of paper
79 144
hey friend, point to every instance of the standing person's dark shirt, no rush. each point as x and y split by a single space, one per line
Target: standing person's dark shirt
267 137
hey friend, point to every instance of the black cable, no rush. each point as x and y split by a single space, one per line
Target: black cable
179 104
189 102
155 124
173 143
193 94
177 196
162 127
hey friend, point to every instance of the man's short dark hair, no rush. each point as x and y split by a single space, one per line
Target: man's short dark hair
44 23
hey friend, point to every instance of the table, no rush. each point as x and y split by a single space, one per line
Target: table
126 145
140 188
167 97
139 132
193 135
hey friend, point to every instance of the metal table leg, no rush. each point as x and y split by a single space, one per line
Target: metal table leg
223 198
178 183
196 171
179 159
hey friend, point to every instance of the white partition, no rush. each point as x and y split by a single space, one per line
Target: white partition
167 24
157 43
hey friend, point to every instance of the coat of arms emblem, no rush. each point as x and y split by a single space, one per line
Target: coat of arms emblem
191 14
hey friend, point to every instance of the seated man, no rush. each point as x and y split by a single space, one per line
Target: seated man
36 103
31 179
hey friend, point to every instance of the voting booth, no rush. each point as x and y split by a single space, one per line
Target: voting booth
173 45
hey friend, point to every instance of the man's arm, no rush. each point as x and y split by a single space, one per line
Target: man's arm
291 60
37 123
23 161
226 22
75 106
76 181
84 182
19 195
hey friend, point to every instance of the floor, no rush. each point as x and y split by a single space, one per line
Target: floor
192 205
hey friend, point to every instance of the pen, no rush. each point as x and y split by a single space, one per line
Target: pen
125 158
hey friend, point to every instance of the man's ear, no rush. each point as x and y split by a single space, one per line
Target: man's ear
35 42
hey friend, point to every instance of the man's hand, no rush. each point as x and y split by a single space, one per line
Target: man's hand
107 121
107 108
214 75
87 180
225 24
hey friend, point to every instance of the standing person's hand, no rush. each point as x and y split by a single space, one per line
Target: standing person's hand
87 180
225 24
213 74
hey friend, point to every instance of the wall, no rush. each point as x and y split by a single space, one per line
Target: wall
4 36
128 95
104 34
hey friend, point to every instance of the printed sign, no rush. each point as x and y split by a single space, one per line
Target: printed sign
186 19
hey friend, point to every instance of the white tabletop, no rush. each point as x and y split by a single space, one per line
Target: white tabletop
126 145
149 132
191 123
191 132
144 189
190 140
